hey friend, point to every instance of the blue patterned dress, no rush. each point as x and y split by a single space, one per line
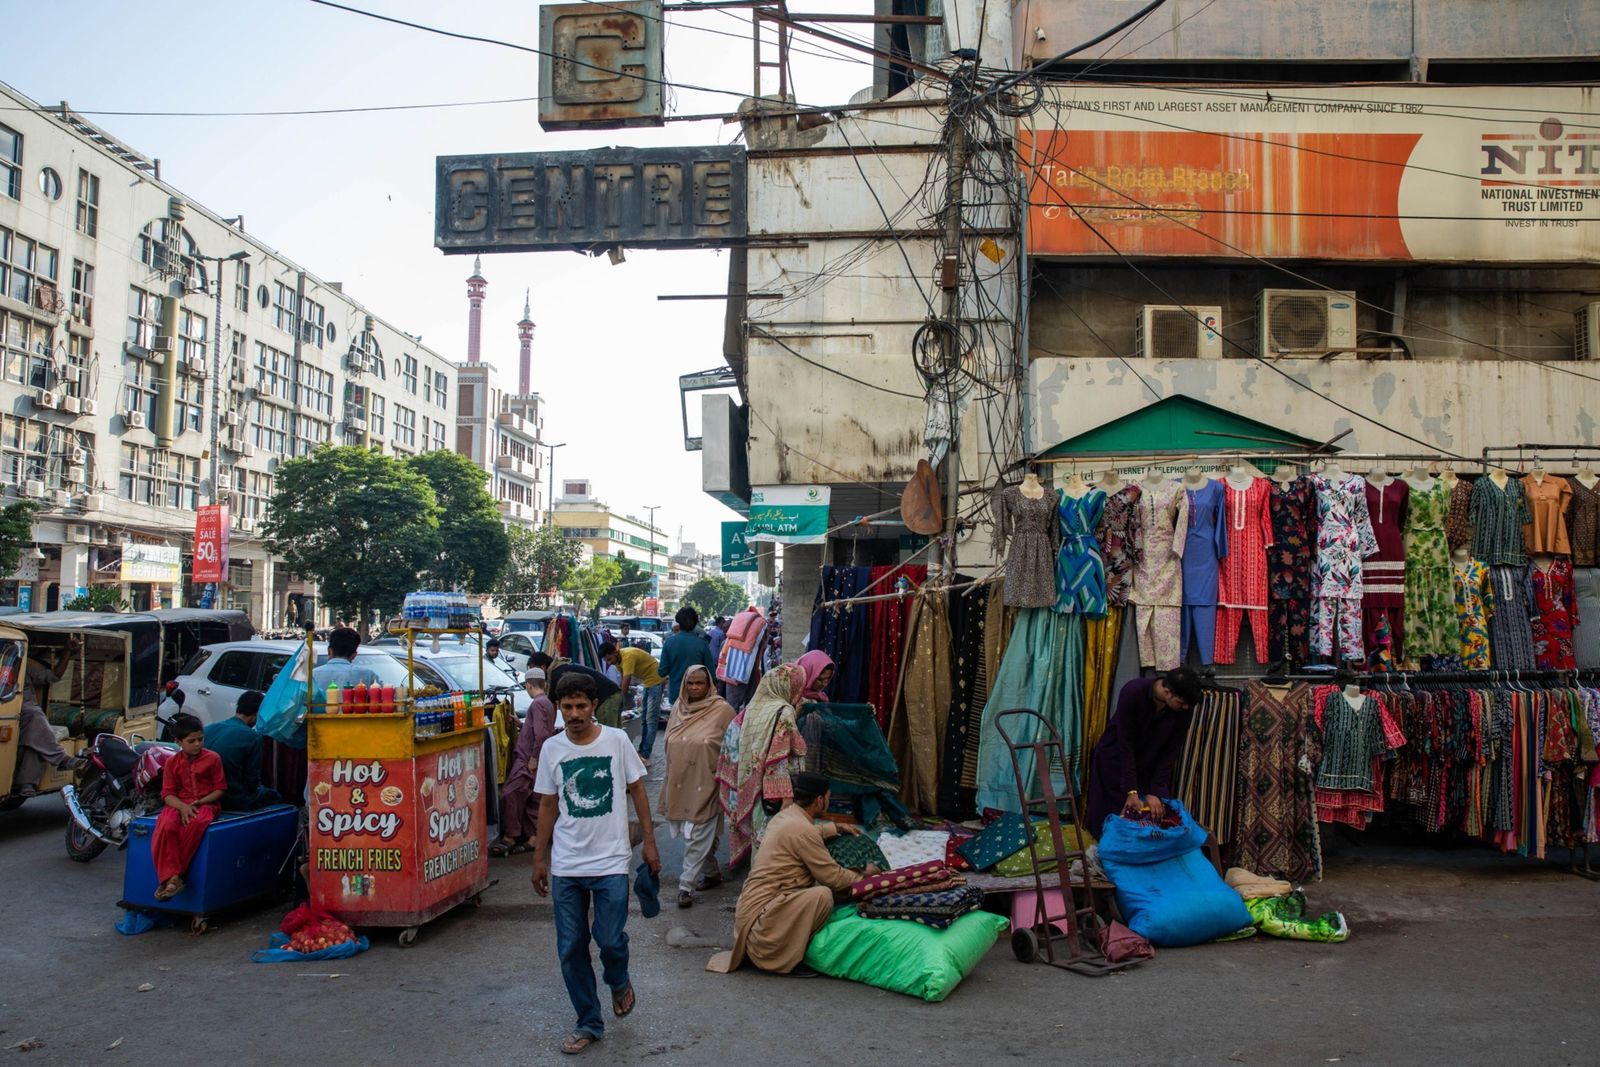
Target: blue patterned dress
1080 570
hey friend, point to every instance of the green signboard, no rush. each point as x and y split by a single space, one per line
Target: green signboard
737 554
789 514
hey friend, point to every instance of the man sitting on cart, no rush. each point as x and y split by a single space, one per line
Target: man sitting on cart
39 745
236 741
341 669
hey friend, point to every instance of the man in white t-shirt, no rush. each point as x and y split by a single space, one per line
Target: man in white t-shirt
586 775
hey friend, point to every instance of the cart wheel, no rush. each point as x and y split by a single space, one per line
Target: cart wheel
198 925
408 937
1025 944
477 900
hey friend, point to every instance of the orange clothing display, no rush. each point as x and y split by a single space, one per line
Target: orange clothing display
1549 497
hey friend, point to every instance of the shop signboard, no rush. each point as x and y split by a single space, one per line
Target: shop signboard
156 564
604 66
211 543
392 837
1378 173
788 514
737 555
659 197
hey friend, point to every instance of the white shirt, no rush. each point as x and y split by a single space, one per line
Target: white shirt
591 784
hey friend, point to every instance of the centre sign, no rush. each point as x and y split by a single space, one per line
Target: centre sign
604 65
669 197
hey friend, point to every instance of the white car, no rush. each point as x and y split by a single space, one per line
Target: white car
458 667
217 675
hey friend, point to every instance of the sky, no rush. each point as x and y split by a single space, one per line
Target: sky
350 196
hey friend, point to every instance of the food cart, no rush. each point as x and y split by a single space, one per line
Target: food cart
398 827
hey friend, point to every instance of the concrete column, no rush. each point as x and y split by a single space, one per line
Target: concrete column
265 614
74 574
797 585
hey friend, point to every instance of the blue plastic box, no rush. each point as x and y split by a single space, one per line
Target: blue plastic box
244 857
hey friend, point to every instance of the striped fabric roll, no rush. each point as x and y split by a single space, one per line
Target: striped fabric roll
1205 776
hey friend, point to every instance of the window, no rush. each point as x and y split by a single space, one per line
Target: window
22 340
32 451
405 426
191 337
375 417
10 163
312 327
241 286
189 403
273 373
309 433
285 306
235 669
25 264
441 390
50 183
83 292
88 203
270 427
316 390
409 375
153 248
254 489
144 317
139 391
159 478
436 443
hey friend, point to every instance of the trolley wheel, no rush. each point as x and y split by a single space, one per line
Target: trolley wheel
408 937
198 925
1025 944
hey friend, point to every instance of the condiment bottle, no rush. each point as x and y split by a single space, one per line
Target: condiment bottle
362 699
332 707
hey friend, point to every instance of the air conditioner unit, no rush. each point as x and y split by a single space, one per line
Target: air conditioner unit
101 536
33 489
94 502
89 407
247 449
134 419
160 343
1305 323
74 475
230 418
70 404
355 424
47 398
60 498
224 482
78 456
78 535
1172 332
247 525
1586 332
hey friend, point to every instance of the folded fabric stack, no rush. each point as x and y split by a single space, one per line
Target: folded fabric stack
913 847
1005 836
932 908
922 878
855 851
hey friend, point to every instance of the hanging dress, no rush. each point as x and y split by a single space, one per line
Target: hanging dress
1511 625
1344 539
1431 628
1204 549
1157 593
1498 516
1242 590
1290 560
1555 615
1458 520
1583 523
1080 572
1383 574
1118 535
1474 603
1025 535
1548 498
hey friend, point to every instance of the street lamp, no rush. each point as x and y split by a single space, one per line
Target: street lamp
652 509
550 465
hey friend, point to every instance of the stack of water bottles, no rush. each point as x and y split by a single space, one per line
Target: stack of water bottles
446 712
430 610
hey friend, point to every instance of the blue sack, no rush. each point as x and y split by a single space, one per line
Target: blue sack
278 954
1169 893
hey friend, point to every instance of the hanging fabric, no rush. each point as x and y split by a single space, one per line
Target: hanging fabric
1204 547
1344 539
841 631
1429 600
1383 573
1080 571
1293 509
1510 624
1242 590
922 705
1205 779
1102 644
967 610
1279 746
1555 614
1025 533
1042 670
1157 591
886 632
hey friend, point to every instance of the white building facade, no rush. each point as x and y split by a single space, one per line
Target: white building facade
115 401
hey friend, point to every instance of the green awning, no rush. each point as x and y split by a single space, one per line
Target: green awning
1169 425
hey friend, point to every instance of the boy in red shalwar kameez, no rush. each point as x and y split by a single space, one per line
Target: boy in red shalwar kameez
192 782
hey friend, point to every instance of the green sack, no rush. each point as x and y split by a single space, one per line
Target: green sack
903 957
1020 864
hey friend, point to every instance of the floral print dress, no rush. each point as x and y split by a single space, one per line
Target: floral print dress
1431 626
1293 508
1118 534
1555 616
1344 539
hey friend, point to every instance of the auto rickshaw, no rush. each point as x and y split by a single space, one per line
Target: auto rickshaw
108 682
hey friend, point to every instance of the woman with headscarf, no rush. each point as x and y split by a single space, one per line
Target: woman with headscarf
761 749
817 667
519 804
689 803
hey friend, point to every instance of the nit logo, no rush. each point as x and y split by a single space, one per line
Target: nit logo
1552 156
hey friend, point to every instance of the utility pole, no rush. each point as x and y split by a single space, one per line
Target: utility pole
652 509
956 149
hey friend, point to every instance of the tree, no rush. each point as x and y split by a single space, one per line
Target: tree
540 562
587 584
16 533
473 545
363 525
632 584
715 595
98 598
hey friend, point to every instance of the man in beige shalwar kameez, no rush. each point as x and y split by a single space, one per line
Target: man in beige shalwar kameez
790 891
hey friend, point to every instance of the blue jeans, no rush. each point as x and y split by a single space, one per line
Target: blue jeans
573 896
652 712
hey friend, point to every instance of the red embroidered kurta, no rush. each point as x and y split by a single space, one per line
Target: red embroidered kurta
1243 581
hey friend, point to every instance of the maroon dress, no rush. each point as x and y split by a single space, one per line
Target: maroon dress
1383 574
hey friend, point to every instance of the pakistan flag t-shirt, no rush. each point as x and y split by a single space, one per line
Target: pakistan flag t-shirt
590 783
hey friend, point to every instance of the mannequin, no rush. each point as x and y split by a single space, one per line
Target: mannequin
1030 486
1332 471
1499 478
1461 557
1354 697
1194 478
1419 478
1587 476
1542 560
1110 480
1153 477
1537 470
1075 485
1448 477
1283 474
1379 477
1239 477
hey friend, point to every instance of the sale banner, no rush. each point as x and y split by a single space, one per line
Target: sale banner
211 544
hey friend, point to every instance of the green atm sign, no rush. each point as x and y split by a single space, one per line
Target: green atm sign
738 555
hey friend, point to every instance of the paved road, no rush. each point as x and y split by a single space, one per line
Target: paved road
1459 957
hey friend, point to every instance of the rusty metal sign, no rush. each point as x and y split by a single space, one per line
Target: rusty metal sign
604 70
634 197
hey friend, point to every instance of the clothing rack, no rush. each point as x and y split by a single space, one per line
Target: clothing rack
1536 449
1121 461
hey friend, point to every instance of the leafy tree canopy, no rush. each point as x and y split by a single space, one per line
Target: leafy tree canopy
16 533
632 585
539 563
587 585
473 543
715 595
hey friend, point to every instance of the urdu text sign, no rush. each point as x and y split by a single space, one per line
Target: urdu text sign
635 197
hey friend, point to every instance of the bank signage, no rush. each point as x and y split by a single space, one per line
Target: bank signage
788 514
604 65
737 555
635 197
1383 173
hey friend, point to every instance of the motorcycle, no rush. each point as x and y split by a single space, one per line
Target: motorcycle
121 782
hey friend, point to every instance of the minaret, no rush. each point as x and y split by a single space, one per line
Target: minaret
525 358
475 288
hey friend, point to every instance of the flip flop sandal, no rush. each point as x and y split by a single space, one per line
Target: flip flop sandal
617 998
520 848
576 1042
499 850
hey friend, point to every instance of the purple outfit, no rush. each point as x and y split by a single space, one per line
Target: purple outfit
519 805
1137 752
